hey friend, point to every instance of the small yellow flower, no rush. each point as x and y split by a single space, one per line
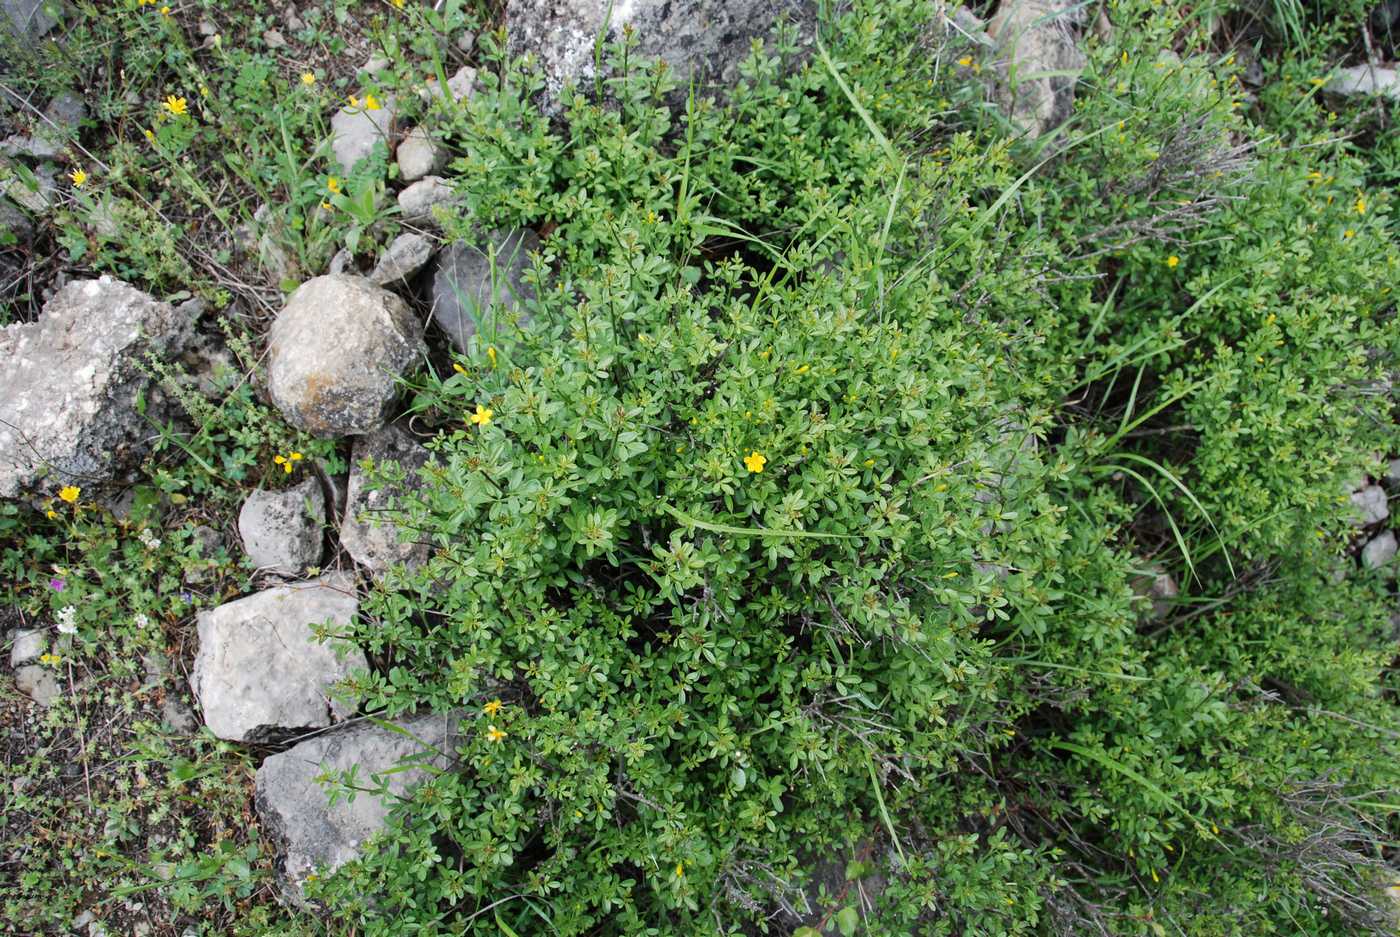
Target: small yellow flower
308 79
287 461
965 61
493 707
869 463
333 185
150 135
176 106
69 493
804 369
51 660
371 103
51 514
1361 204
755 461
1348 234
327 206
78 177
458 368
494 734
680 870
491 353
165 11
1172 261
398 4
482 416
353 101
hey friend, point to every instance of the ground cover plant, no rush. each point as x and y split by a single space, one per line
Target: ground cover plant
793 546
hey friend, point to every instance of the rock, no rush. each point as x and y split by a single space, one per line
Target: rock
365 533
15 220
34 192
275 39
29 644
476 281
69 383
356 129
66 110
375 65
39 146
38 683
459 87
465 42
179 717
419 156
28 19
335 353
342 261
1366 80
295 809
259 667
1158 587
704 40
1379 551
1392 472
416 202
1039 62
281 530
408 254
1370 504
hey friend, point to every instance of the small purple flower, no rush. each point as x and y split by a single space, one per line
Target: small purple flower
186 597
58 585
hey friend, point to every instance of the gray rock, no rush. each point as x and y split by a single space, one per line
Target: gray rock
66 110
39 146
459 87
29 644
1370 504
15 220
38 683
281 530
179 717
260 668
1392 472
1379 551
1039 62
417 201
1158 587
366 533
408 254
28 19
69 382
355 130
275 39
335 353
1366 80
704 40
419 156
34 193
476 282
295 810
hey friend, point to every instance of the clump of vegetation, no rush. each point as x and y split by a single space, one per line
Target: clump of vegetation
790 549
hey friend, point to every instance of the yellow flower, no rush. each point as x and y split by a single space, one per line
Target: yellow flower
1348 234
371 103
493 707
165 11
176 106
353 101
491 353
680 870
69 493
398 4
494 734
150 135
333 185
458 368
52 660
482 416
78 177
1172 261
965 61
287 461
1361 204
754 462
308 79
327 206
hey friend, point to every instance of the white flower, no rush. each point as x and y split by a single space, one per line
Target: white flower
149 540
66 622
141 620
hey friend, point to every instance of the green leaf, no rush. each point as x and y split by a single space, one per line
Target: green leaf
847 920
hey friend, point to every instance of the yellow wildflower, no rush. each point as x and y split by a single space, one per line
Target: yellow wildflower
287 461
353 101
482 416
1172 261
398 4
494 734
69 493
491 353
755 461
308 79
680 870
78 177
51 660
1348 234
150 135
458 368
165 11
176 106
371 103
333 185
493 707
965 61
1361 204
